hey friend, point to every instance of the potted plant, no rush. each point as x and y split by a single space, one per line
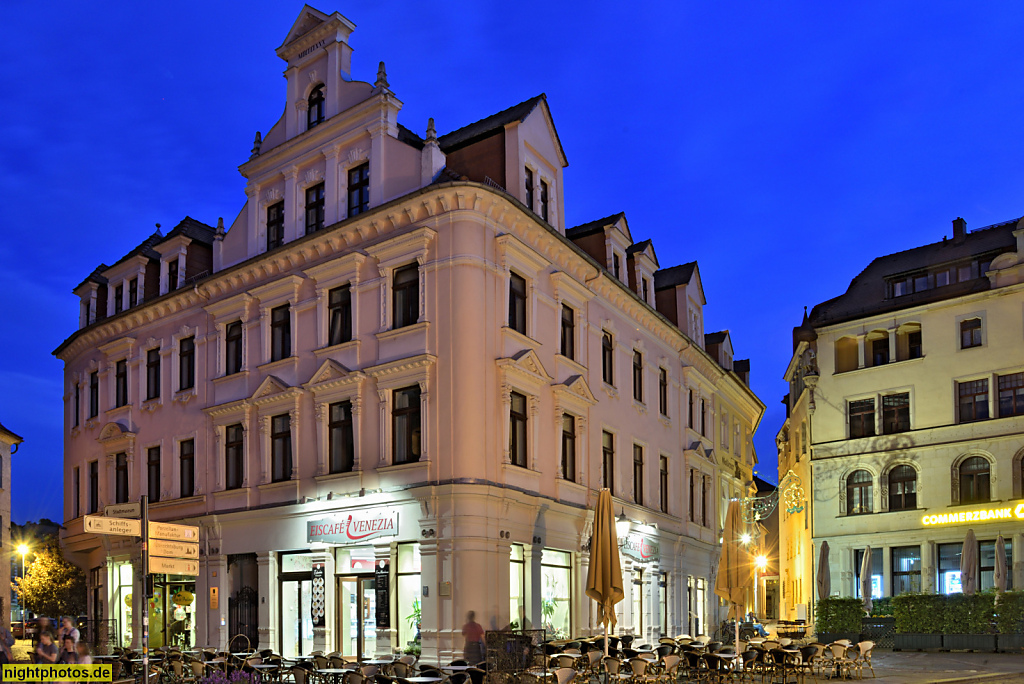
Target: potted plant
1009 619
838 618
919 621
968 623
414 618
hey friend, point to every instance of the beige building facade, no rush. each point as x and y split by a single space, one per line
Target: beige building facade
389 392
9 443
906 416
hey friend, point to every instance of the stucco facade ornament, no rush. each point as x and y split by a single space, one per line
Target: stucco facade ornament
314 175
382 77
257 143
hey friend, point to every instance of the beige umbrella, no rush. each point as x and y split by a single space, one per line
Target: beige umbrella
865 580
824 579
604 579
1001 569
735 570
969 564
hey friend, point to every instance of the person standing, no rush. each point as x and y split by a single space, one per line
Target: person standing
6 644
46 652
84 658
474 634
67 627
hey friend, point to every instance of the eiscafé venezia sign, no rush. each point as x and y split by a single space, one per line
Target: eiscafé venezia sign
1012 512
640 548
353 528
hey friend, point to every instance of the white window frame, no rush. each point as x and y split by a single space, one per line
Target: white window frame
981 315
334 383
224 313
573 294
272 400
184 332
272 295
395 253
222 416
415 370
328 276
514 255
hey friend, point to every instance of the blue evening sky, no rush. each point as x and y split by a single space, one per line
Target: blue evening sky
782 145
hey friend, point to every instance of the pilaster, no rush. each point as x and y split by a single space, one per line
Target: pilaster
266 579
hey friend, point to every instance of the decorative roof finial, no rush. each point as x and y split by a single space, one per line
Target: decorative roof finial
382 77
431 131
257 143
219 235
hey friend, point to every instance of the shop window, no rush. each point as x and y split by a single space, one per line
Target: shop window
314 208
406 425
556 593
895 413
359 190
280 448
152 374
233 348
876 572
517 303
280 332
187 465
341 437
94 486
663 602
234 454
121 477
974 480
568 332
405 294
638 601
608 460
608 358
517 430
987 564
339 315
970 333
638 376
569 447
409 597
315 107
696 594
858 492
1011 395
517 588
153 473
973 400
906 569
949 568
902 488
121 383
862 418
187 363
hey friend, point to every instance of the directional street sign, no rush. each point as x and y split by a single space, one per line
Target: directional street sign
123 510
187 533
173 549
97 524
173 566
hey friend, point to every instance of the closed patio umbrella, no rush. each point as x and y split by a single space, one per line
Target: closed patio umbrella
824 578
735 570
969 564
865 580
1001 569
604 578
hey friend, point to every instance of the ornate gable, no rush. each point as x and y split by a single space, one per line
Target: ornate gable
273 389
332 374
576 387
527 365
308 19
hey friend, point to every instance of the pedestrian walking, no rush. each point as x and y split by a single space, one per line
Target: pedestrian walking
474 634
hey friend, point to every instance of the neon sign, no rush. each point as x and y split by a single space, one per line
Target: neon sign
980 515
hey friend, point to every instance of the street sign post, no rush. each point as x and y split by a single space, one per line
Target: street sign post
123 510
186 533
173 566
98 524
173 549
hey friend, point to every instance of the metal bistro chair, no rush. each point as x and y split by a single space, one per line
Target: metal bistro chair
865 647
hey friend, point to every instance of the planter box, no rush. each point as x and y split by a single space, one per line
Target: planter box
829 637
1009 642
916 642
969 642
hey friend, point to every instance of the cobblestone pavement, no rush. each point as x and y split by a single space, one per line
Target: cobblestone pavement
929 668
21 651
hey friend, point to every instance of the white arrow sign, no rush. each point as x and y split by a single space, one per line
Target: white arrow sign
173 566
173 549
97 524
159 530
123 510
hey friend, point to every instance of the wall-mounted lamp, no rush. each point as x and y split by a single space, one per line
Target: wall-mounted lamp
622 525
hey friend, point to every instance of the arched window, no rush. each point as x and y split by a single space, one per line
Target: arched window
974 480
902 488
858 492
315 111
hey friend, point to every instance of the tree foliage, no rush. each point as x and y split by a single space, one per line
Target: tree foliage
52 586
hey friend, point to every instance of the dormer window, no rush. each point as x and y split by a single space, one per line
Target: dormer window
644 286
133 292
529 188
616 266
359 189
315 111
172 275
544 200
119 299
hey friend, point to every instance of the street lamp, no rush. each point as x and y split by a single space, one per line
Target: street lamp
22 549
622 525
745 538
762 563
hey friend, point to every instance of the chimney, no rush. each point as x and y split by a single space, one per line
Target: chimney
959 229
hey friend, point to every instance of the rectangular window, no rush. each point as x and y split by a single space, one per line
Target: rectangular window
119 299
406 295
880 352
280 332
987 564
663 391
895 413
643 289
921 283
187 466
1011 395
544 200
942 278
529 189
689 407
172 275
133 292
906 569
703 419
915 349
359 189
704 520
517 303
152 374
568 332
638 474
233 348
876 572
281 448
94 486
341 437
153 473
314 208
121 383
862 418
556 578
517 430
608 460
608 358
406 418
693 494
75 419
275 225
899 288
76 484
121 478
963 273
616 266
234 455
339 315
663 483
973 396
970 333
187 364
569 447
638 376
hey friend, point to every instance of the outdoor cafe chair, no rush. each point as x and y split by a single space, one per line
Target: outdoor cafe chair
864 659
564 675
713 646
839 661
669 668
613 666
665 649
639 670
627 640
563 660
476 675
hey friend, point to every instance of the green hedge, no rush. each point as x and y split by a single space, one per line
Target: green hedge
1010 612
919 613
969 614
881 607
838 615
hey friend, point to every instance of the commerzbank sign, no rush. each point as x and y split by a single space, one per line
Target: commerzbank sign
1012 512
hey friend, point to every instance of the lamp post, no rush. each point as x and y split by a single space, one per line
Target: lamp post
22 549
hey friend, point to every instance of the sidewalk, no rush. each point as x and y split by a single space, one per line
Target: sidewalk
930 668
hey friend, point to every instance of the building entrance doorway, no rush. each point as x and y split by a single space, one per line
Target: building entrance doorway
357 616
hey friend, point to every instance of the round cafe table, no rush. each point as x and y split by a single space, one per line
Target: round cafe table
334 673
